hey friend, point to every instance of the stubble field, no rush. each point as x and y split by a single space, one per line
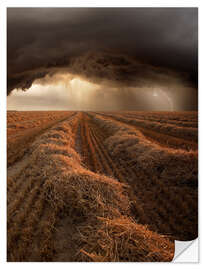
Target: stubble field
98 186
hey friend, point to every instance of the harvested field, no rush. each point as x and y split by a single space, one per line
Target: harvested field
23 127
101 187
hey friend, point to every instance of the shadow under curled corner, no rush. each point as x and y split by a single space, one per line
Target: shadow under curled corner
186 251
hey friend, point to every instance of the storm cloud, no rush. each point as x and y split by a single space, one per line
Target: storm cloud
118 47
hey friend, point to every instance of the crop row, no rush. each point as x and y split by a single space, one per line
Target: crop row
179 123
55 185
163 180
191 117
23 116
16 126
187 133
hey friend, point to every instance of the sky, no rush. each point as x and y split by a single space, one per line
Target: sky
102 58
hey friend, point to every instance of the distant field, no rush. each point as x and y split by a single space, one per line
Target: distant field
98 186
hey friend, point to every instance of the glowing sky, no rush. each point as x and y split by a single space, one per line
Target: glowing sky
78 94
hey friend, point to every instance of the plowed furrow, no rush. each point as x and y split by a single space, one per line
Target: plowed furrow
87 149
26 223
17 148
145 210
160 138
160 205
122 174
21 195
19 209
95 160
78 143
109 166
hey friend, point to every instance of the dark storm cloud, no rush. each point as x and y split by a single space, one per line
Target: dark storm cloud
124 46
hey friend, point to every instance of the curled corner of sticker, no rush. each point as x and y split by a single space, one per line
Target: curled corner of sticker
186 251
